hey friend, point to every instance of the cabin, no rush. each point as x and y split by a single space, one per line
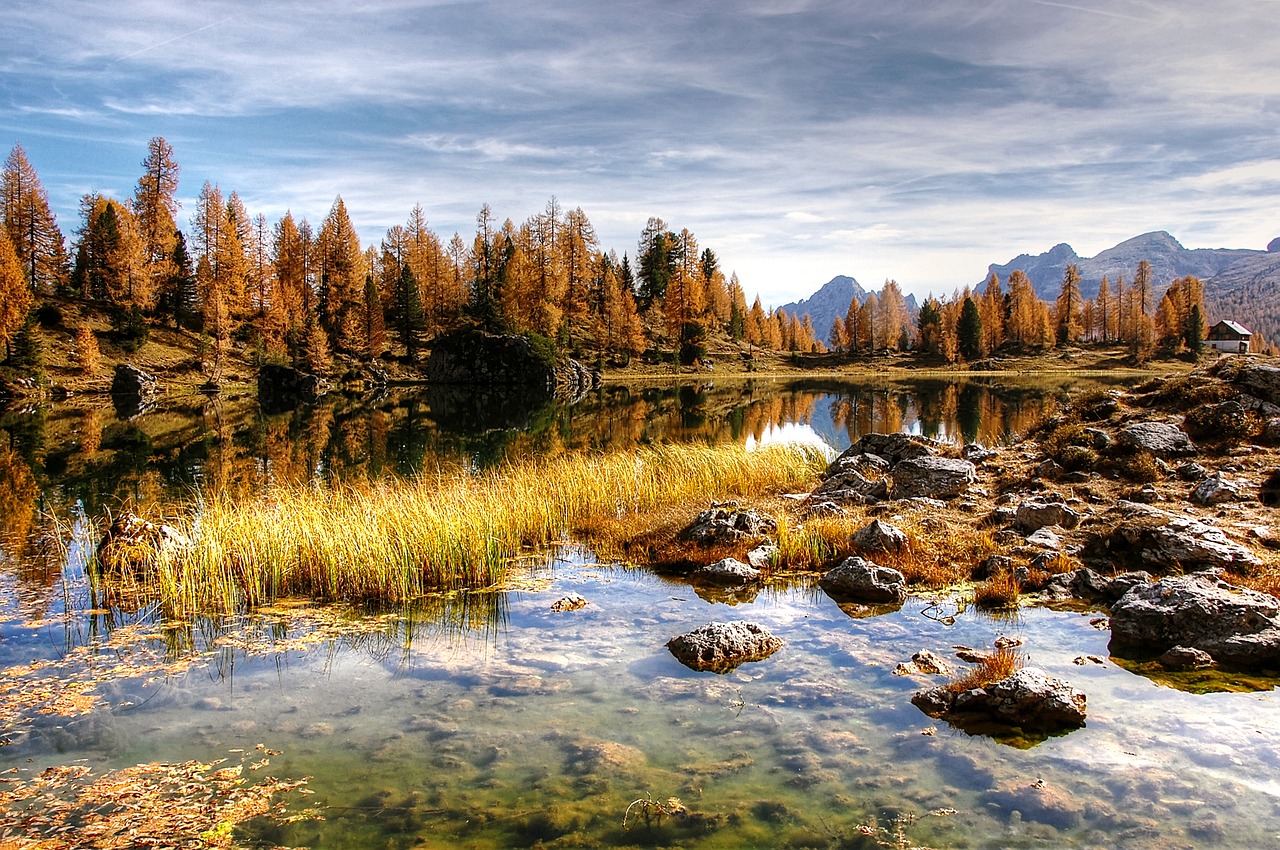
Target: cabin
1229 337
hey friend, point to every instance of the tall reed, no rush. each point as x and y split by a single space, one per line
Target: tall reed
395 541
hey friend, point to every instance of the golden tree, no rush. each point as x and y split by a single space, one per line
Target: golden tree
15 293
1068 307
32 227
85 350
155 204
342 277
991 311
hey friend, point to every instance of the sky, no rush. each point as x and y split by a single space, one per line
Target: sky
918 140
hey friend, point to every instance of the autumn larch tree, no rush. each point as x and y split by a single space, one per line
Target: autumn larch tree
32 227
1068 307
15 293
156 206
991 308
342 275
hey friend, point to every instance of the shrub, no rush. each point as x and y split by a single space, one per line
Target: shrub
130 328
1139 467
49 316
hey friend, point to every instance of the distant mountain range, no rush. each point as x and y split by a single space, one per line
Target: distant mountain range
1169 261
1239 283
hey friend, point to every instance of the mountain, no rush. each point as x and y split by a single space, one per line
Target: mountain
1239 283
828 303
1169 261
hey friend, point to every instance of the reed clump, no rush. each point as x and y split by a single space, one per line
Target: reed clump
396 541
1000 664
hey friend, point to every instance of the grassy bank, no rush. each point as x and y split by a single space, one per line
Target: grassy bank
393 542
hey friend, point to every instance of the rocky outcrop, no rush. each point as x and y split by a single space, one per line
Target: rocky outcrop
894 448
1234 625
721 647
1160 541
728 523
284 387
1033 515
932 478
1217 489
857 579
879 536
1030 699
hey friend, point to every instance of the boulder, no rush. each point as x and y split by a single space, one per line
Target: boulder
1261 380
1083 583
850 485
728 524
1163 439
1044 538
1034 515
977 453
1030 699
1217 489
727 572
880 536
932 477
133 543
133 391
721 647
1163 541
1233 624
862 580
894 448
283 387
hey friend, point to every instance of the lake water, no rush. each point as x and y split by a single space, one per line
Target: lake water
490 720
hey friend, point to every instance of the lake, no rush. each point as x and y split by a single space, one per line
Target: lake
489 719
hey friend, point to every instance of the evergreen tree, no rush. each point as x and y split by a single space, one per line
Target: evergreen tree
409 317
1068 307
969 330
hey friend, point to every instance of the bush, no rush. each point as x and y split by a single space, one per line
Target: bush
130 328
49 316
1140 467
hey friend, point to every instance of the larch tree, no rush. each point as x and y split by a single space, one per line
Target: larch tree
1023 327
893 316
1070 326
342 274
1103 328
1144 294
579 253
866 330
15 293
991 310
155 204
290 292
31 225
737 309
84 350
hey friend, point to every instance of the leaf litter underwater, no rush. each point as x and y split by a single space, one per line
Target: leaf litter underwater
491 719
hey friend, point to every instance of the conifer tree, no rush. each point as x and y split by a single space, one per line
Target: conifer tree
15 293
1103 327
737 309
1068 307
342 273
969 330
85 352
156 206
991 310
31 226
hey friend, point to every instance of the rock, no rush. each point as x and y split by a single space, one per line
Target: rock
1038 802
1228 420
1217 489
133 543
1083 583
860 462
932 477
572 602
1191 471
1163 541
1269 492
1045 539
1163 439
1101 439
880 537
1123 583
1001 515
133 391
1030 699
721 647
727 572
1031 516
1235 625
728 524
993 565
283 387
1261 380
1185 658
894 448
923 663
862 580
762 556
821 509
851 485
977 453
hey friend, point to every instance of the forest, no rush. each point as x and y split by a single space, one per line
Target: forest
290 291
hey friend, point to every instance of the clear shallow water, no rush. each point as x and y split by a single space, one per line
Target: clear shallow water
512 724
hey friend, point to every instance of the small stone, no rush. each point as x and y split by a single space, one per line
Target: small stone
721 647
572 602
1185 658
859 579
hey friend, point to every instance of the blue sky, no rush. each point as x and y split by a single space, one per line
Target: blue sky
918 140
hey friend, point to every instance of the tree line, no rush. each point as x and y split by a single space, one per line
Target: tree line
292 291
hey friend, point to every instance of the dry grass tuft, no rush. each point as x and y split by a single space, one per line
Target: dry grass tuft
1000 591
1000 664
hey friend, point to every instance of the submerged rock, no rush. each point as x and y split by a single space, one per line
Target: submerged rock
859 579
1200 611
721 647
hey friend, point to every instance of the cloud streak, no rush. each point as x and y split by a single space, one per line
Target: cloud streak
799 140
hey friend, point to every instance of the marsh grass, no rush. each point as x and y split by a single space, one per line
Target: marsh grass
1000 591
393 542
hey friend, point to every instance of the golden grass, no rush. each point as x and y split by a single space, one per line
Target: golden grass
1000 664
396 541
1000 591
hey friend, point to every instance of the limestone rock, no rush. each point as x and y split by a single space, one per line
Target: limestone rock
729 524
1185 658
1233 624
1030 699
1163 439
880 536
1217 489
859 579
572 602
1162 541
721 647
727 572
932 477
894 448
1034 515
